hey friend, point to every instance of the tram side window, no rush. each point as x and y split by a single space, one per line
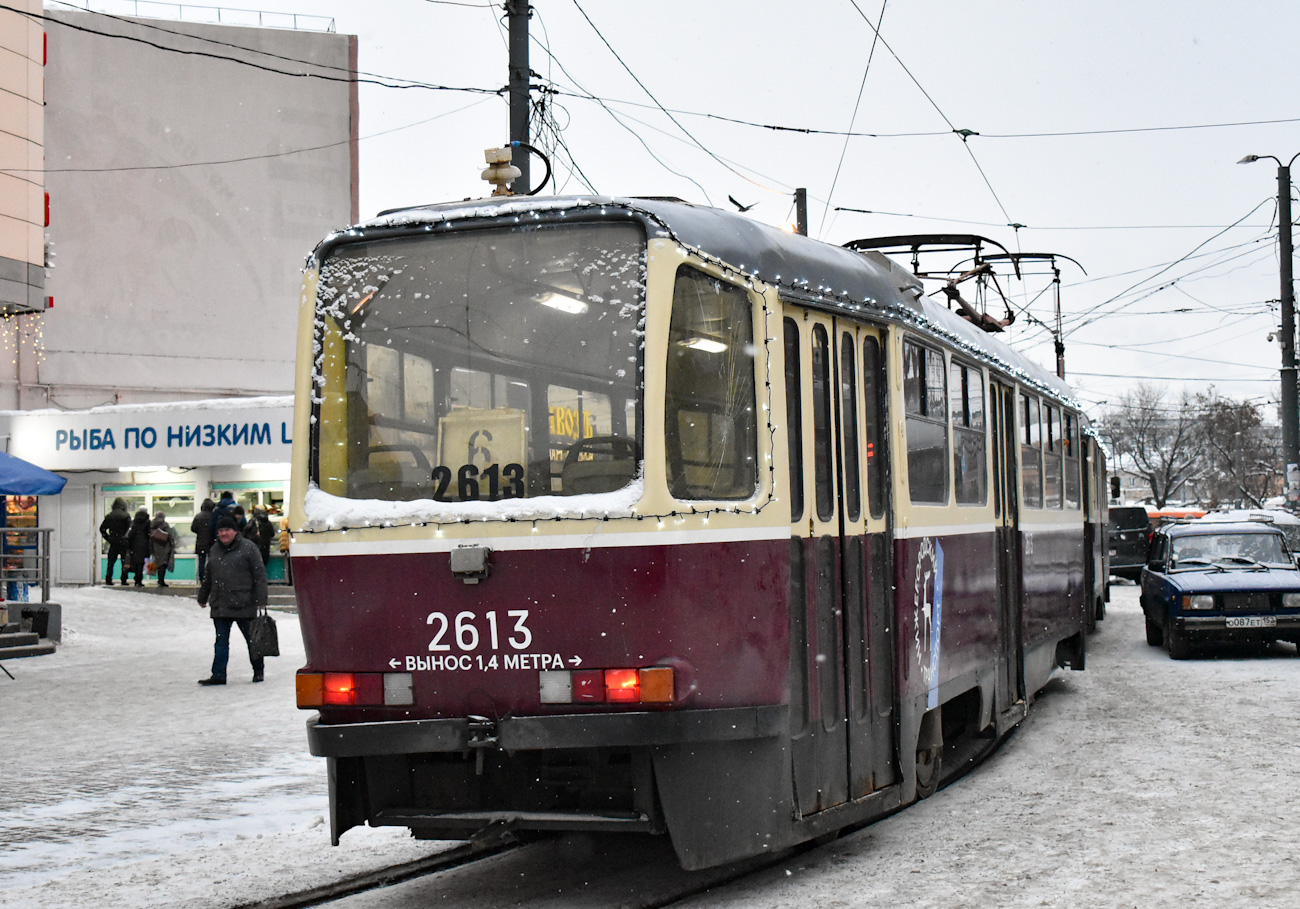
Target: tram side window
873 386
849 420
710 427
823 444
1031 454
794 417
969 459
925 401
1051 457
1070 446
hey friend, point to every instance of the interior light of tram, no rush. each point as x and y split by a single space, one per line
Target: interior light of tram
708 345
562 302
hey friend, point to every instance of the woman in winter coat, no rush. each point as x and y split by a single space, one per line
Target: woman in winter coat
163 542
138 544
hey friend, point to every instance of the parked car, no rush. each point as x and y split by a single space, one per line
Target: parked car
1128 532
1210 582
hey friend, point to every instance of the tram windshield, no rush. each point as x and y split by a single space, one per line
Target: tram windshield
482 364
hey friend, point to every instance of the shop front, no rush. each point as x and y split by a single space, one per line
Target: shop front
159 457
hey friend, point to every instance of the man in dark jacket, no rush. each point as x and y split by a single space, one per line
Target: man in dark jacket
113 529
235 586
225 505
201 527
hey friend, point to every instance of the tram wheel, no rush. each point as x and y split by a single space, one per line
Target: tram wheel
1155 637
928 761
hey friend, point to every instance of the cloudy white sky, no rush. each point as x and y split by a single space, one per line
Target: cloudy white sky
1109 130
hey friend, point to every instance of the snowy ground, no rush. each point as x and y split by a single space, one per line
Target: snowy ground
1141 782
130 785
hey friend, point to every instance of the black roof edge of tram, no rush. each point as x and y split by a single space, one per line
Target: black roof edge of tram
859 282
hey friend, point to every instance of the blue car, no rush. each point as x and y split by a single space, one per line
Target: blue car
1219 582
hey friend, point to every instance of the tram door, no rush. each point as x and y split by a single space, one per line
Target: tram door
1010 680
833 579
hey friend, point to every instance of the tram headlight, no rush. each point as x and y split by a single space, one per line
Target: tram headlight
1198 601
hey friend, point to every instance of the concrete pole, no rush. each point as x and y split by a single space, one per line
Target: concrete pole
1290 404
517 13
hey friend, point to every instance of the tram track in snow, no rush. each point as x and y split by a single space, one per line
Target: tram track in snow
640 875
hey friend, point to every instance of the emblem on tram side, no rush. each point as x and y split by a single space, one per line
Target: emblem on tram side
927 605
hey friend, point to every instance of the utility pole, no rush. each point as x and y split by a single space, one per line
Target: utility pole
801 211
1290 393
518 13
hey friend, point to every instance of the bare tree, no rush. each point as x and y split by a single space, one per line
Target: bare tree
1243 463
1159 442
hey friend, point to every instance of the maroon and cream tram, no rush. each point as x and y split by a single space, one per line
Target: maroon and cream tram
630 515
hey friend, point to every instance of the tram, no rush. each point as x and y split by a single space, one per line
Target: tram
629 515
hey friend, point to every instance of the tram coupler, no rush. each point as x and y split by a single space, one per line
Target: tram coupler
482 736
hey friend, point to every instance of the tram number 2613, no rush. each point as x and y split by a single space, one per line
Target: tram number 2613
471 483
464 630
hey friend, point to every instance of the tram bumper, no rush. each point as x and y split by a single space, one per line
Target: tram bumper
531 733
717 780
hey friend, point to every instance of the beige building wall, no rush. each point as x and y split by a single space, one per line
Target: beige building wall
187 184
22 158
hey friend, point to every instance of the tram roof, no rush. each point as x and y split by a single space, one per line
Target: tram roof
806 270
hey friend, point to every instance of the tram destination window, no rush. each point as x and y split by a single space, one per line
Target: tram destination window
710 430
482 364
925 401
969 459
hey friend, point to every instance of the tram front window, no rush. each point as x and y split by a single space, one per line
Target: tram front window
482 364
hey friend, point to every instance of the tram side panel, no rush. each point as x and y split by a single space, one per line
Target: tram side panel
946 607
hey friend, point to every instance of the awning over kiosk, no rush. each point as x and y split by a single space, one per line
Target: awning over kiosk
21 478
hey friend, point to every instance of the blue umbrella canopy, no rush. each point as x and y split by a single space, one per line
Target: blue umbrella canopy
21 478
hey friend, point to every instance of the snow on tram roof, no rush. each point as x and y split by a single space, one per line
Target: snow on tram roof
806 270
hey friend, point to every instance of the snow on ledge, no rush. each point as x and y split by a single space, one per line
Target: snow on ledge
330 512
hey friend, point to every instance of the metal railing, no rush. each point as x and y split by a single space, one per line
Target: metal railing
25 561
218 15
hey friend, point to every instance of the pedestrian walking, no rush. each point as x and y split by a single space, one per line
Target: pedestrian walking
234 588
113 529
259 530
201 527
163 541
138 545
225 505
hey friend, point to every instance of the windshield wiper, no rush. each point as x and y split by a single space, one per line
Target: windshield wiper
1243 560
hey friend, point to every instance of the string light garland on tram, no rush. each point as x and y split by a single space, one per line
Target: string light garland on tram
797 287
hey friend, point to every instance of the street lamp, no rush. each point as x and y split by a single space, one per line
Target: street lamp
1290 405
